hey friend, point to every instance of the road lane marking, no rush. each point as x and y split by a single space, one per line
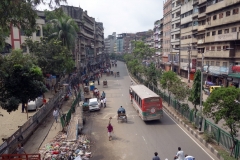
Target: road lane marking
144 139
189 135
122 94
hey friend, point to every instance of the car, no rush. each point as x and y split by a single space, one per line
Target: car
34 105
94 105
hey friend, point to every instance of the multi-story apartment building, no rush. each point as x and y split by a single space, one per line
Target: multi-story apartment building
17 36
90 42
175 35
219 40
188 43
167 17
156 34
110 43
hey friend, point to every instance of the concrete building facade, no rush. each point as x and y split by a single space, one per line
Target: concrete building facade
167 17
110 42
90 41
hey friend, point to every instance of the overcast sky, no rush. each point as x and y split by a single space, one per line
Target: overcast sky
121 16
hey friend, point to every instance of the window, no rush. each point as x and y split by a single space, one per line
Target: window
208 33
213 33
212 63
207 48
172 15
235 11
212 48
214 17
219 48
220 15
219 31
189 36
172 36
225 47
234 29
228 13
226 30
207 62
225 64
38 33
217 63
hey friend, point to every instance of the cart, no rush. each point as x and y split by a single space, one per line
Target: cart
122 117
85 106
105 84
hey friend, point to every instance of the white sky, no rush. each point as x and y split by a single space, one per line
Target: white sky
121 16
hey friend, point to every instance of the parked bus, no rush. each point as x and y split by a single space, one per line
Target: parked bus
147 103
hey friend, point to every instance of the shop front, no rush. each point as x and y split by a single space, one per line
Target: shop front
234 76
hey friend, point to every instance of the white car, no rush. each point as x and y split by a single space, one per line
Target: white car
34 105
94 104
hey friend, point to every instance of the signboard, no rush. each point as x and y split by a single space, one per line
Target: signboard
194 63
225 37
200 41
236 68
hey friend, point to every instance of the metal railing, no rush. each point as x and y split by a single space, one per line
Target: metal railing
26 130
220 136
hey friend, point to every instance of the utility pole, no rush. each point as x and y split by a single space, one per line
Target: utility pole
189 48
201 95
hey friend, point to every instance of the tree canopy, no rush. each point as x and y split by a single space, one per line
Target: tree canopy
222 104
142 51
195 93
21 80
20 13
52 57
151 74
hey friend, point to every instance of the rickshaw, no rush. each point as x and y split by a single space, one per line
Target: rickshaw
96 94
122 116
105 83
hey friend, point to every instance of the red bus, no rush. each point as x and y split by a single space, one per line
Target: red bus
147 103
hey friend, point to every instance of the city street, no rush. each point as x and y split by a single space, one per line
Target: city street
136 139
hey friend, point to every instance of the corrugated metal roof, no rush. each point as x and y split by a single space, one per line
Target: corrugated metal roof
143 92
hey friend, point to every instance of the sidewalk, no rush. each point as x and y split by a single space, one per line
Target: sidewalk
47 130
10 122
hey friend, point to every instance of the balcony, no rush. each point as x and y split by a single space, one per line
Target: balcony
175 40
88 25
200 15
186 7
195 14
201 1
216 6
217 54
177 29
178 6
201 28
223 37
224 20
176 19
186 19
185 30
200 41
195 27
186 41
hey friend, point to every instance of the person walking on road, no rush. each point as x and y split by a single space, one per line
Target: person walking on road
155 156
187 157
55 114
180 154
110 130
20 149
104 102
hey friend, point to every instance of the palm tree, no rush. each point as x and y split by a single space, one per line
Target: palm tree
65 30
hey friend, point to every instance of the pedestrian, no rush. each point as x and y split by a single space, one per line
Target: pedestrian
55 114
110 131
155 156
98 80
20 149
101 102
104 102
180 154
187 157
103 94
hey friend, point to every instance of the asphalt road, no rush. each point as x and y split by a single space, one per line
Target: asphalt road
135 140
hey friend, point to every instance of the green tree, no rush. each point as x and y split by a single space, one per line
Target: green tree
222 104
52 57
167 81
20 13
64 29
180 90
21 80
151 74
142 51
195 93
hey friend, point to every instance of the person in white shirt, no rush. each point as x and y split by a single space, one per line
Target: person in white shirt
101 102
180 154
55 114
104 102
187 157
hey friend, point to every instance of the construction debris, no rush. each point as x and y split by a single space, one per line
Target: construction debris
61 149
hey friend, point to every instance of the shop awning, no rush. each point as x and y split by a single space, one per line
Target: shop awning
235 75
